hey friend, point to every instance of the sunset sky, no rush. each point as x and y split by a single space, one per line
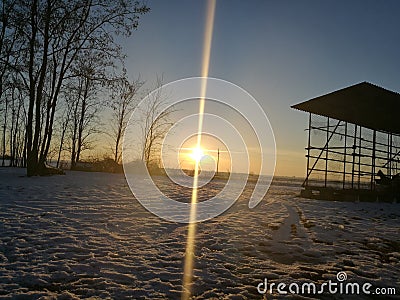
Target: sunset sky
281 52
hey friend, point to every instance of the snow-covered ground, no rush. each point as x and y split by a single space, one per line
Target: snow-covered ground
84 235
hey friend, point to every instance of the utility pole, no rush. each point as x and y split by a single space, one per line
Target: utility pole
217 160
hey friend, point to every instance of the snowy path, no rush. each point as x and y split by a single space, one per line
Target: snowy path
84 235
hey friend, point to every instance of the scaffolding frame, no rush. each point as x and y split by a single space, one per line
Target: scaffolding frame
353 149
343 158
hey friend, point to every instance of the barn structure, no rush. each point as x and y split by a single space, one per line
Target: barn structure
353 148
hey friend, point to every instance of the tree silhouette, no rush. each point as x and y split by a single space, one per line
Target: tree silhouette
50 37
122 104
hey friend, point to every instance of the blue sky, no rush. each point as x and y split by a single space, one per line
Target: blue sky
281 52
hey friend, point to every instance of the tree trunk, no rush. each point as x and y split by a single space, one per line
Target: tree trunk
64 129
16 138
119 133
82 119
4 134
31 154
34 166
73 150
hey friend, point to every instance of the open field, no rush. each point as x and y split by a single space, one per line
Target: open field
84 235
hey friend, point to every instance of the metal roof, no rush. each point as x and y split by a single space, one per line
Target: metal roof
363 104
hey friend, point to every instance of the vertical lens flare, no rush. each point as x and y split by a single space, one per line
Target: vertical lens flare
189 254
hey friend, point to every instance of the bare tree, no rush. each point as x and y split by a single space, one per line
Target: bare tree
85 110
9 43
16 131
155 124
64 121
123 101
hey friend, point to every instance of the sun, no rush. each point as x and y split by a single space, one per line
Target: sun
197 154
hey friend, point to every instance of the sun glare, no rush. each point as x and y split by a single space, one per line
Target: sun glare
197 154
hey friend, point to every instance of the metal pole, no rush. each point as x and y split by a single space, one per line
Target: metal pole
326 154
344 155
390 156
373 160
217 161
320 154
354 156
359 158
308 147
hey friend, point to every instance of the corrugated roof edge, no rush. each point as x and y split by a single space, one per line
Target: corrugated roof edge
350 86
